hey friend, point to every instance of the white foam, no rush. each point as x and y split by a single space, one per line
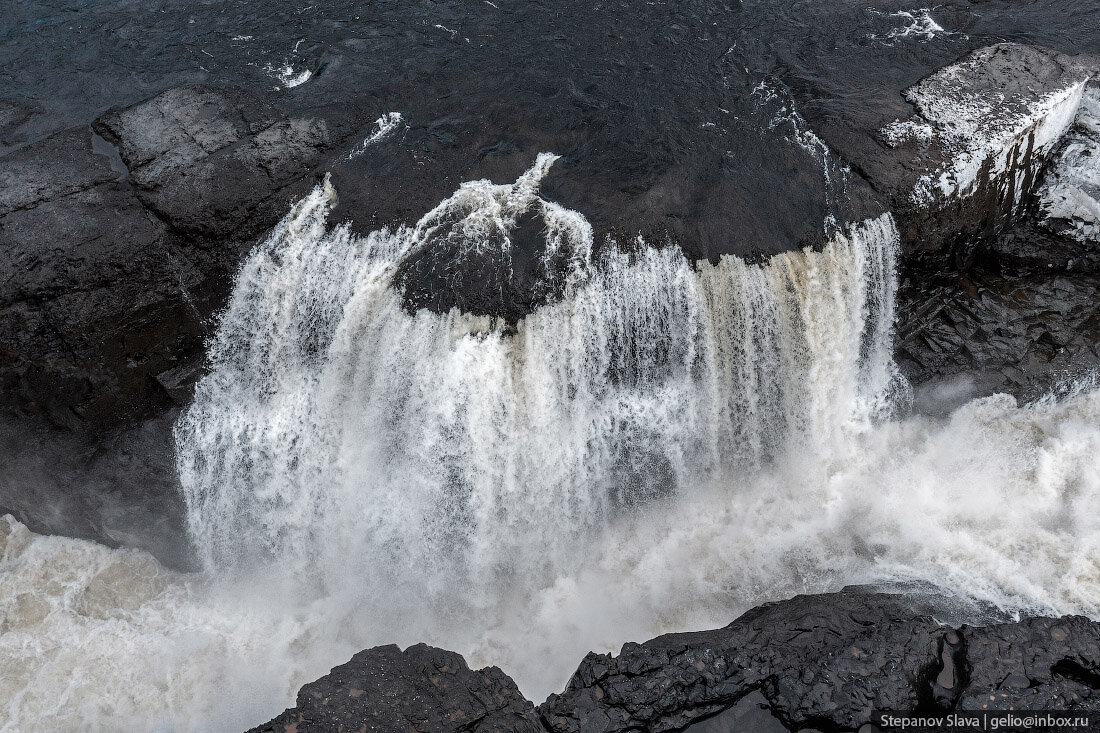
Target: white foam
287 76
383 127
327 395
775 99
918 24
997 500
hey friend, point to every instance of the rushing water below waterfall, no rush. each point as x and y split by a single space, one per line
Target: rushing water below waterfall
663 448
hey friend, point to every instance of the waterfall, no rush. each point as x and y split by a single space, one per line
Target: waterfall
340 435
662 448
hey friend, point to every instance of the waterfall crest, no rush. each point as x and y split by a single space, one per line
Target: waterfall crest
337 427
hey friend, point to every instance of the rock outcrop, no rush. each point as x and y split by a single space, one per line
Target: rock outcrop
420 689
990 181
965 163
827 663
114 250
1069 199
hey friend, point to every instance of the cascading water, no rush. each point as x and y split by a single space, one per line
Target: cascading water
448 452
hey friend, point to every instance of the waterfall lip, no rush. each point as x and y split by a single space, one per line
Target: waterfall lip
610 369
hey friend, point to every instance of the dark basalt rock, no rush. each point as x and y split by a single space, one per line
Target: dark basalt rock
813 663
822 661
206 160
421 690
107 277
1005 303
114 257
14 113
1036 664
1024 335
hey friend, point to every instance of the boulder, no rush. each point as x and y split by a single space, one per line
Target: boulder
1001 257
108 276
419 690
1033 664
205 160
829 659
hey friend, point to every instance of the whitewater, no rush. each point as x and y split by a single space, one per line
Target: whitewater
663 447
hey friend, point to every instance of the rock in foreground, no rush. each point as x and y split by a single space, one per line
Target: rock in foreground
420 689
826 662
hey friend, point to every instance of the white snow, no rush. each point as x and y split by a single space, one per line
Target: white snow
1070 195
983 114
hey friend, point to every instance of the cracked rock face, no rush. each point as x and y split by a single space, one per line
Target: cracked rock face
111 266
825 662
1006 303
968 158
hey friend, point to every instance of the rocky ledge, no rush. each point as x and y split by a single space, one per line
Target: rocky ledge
825 663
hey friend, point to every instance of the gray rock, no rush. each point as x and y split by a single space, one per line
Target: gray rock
205 160
831 659
1023 336
95 298
57 166
419 690
1036 664
13 114
1069 198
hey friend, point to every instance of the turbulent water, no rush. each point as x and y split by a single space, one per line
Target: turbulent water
667 446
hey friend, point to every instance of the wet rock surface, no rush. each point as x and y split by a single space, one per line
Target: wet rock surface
1069 199
825 662
421 689
1015 312
118 246
1006 304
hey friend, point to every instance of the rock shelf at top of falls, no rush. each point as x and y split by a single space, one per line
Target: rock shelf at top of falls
813 663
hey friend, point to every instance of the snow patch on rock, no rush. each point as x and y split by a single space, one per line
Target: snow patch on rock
996 113
1069 198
